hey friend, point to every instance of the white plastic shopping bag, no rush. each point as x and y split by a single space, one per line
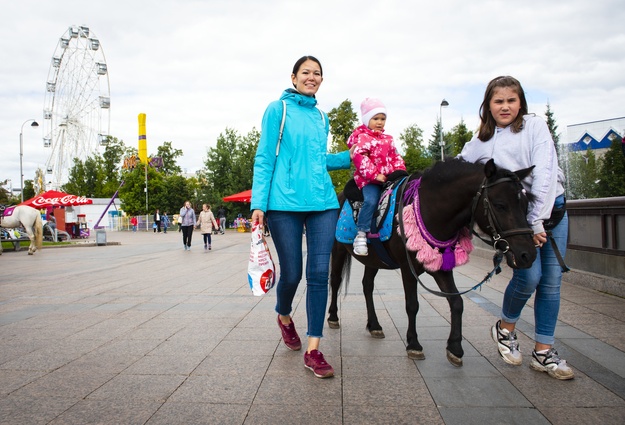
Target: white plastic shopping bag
261 271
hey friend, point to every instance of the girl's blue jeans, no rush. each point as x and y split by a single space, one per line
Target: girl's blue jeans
544 277
287 231
371 193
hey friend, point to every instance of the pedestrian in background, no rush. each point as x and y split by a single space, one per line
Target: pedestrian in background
165 222
157 221
133 223
221 214
187 215
206 222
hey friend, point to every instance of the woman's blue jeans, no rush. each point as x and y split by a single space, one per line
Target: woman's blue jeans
544 277
287 231
371 193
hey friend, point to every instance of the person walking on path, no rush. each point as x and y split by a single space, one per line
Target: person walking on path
157 221
206 221
133 223
165 222
292 189
188 221
517 140
221 214
375 157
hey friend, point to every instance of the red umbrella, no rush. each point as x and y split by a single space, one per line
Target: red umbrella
245 196
54 198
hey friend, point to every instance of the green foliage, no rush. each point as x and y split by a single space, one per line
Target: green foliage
343 120
29 189
611 173
458 137
415 156
6 197
169 155
228 169
582 175
434 144
553 128
98 176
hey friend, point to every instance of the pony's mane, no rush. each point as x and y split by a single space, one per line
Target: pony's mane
452 169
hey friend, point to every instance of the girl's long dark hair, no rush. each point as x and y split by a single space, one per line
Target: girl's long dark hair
488 124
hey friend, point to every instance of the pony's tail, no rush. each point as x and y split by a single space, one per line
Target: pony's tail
346 273
38 227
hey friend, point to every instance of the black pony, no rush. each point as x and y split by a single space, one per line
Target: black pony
452 196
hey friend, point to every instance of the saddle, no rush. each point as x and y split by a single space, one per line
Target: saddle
5 211
382 223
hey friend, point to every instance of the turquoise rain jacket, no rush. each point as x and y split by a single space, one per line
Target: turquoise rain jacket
297 179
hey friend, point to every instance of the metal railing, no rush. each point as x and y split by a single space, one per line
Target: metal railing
597 225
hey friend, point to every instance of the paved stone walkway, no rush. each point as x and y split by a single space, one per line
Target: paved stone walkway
143 332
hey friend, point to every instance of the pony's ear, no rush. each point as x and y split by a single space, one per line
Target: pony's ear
521 174
489 168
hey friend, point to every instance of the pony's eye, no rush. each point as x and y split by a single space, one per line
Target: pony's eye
500 207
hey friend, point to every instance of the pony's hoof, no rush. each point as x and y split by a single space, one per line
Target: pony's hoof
378 334
30 253
415 354
334 324
453 359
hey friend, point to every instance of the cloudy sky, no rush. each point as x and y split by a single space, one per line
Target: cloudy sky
198 67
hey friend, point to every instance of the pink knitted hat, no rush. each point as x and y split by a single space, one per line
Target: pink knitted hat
369 108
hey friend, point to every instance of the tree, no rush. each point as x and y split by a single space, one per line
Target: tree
228 169
132 193
582 175
611 173
99 175
343 120
169 155
434 144
415 156
6 197
458 137
553 128
29 189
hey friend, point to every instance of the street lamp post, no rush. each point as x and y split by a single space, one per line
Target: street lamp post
444 103
34 124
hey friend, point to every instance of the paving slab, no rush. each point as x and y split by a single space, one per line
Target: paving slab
141 331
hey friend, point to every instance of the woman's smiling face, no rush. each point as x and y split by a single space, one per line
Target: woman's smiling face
308 78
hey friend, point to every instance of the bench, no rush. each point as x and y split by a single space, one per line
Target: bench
16 242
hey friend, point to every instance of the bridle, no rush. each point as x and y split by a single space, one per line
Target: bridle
497 235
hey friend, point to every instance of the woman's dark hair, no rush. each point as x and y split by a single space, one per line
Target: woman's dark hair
303 59
488 124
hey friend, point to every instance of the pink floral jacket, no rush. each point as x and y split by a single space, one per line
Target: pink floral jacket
374 154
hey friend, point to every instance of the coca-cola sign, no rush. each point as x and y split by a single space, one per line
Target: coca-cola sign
40 201
54 198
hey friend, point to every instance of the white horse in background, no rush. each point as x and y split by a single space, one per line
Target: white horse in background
30 219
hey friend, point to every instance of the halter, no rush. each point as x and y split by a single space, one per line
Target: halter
493 226
496 234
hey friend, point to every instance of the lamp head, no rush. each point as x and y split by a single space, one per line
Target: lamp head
444 103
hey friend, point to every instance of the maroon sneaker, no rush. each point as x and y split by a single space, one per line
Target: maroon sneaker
289 335
315 362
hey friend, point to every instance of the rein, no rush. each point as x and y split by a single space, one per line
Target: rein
496 236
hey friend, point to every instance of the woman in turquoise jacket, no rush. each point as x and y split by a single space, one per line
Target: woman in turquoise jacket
293 190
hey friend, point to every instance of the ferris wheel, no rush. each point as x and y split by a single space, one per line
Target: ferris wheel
77 102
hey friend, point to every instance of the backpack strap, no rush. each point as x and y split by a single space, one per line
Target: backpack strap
281 127
323 118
